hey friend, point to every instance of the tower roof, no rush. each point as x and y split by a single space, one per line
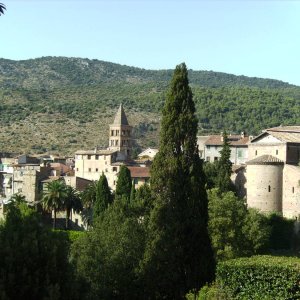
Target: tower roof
120 118
265 160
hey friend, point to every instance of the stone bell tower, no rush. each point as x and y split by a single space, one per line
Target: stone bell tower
120 135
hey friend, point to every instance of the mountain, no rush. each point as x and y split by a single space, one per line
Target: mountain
61 104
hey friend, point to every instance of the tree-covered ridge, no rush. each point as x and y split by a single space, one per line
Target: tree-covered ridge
50 72
71 102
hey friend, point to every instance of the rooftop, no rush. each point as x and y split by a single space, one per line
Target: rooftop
139 172
98 152
120 118
234 140
288 134
265 160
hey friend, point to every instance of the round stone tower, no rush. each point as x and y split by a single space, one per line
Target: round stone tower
264 183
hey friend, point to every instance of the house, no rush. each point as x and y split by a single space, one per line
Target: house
139 175
149 153
210 147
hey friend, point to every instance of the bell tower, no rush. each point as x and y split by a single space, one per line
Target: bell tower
120 135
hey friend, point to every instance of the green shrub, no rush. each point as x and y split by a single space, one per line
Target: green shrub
208 292
260 277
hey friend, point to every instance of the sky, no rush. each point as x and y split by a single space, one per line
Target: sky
253 38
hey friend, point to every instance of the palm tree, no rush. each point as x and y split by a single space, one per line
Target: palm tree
54 197
18 198
88 196
71 202
2 8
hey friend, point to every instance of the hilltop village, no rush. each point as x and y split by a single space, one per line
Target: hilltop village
265 168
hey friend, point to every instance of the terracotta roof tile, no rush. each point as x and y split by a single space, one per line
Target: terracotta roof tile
234 140
139 172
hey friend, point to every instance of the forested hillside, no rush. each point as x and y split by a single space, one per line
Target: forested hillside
63 104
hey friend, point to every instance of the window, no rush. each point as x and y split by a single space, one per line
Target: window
207 158
106 170
276 152
96 157
112 133
128 132
255 152
89 157
114 182
97 170
293 190
117 132
216 147
216 158
269 188
117 143
208 147
240 153
114 169
90 170
123 132
77 169
136 180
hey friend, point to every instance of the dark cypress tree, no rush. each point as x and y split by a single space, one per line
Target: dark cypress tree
178 256
123 188
132 193
224 167
103 196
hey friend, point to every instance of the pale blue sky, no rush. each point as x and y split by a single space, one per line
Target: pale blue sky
253 38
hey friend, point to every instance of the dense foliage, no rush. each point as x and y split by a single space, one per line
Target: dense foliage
59 95
236 231
107 257
34 261
260 277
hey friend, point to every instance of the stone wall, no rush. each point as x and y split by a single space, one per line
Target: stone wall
264 187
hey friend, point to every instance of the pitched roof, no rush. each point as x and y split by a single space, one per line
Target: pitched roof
265 160
285 129
234 140
120 118
139 172
288 134
60 167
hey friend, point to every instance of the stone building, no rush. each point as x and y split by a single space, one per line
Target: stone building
23 175
90 164
273 172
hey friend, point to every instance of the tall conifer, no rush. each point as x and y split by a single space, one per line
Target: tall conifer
123 188
178 255
103 196
224 183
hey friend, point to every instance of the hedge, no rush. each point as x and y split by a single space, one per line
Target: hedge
260 277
